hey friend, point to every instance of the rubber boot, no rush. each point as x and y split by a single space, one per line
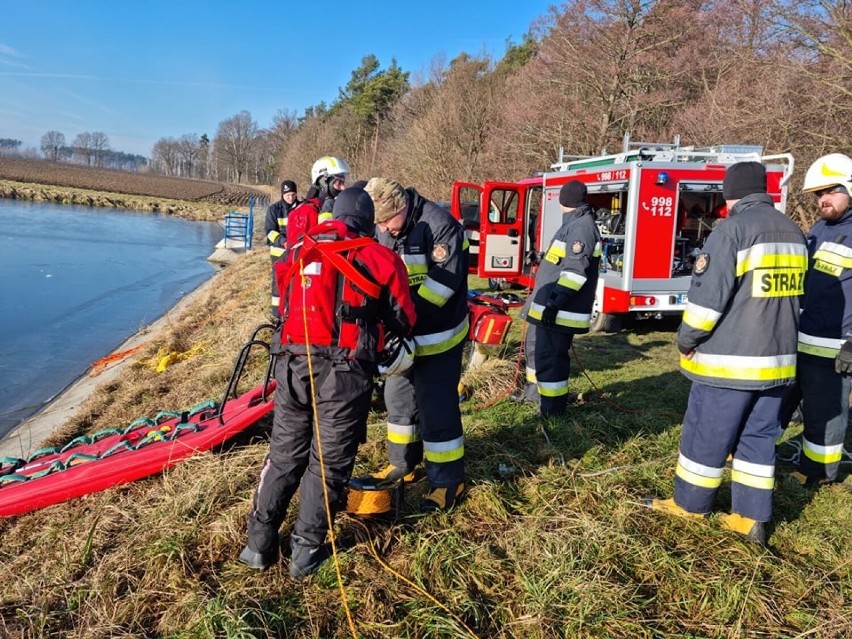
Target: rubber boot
305 559
442 498
256 560
749 528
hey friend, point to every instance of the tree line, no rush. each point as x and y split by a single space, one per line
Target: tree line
775 73
91 149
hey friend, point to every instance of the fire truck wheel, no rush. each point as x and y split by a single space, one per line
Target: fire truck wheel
605 322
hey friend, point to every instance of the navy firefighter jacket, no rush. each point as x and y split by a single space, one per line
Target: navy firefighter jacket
826 320
433 246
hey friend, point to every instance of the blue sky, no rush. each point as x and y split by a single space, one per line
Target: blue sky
142 70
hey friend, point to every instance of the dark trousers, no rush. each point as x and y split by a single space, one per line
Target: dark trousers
723 421
273 302
548 368
423 411
825 409
344 388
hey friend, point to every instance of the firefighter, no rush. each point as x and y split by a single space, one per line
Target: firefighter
346 309
561 303
276 231
328 178
424 419
825 327
737 344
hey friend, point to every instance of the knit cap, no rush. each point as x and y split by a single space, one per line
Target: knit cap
573 194
744 178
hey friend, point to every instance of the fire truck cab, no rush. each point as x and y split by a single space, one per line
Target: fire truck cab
655 206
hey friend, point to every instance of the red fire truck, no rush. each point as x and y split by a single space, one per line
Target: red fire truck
655 206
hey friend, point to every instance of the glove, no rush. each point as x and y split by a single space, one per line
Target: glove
843 361
548 316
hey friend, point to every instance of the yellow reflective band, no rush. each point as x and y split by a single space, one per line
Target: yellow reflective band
435 292
272 236
556 252
753 481
563 318
282 221
416 271
697 480
819 346
571 280
835 254
530 375
402 433
276 251
778 282
435 343
325 216
744 367
700 317
275 301
772 255
442 452
822 454
598 250
465 244
553 389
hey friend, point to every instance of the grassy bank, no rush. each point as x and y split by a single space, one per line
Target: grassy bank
550 543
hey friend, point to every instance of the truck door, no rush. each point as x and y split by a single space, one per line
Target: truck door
464 206
502 236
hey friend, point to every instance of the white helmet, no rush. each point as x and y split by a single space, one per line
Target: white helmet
829 170
329 166
397 357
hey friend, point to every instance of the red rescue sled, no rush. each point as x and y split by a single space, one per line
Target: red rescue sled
147 446
85 466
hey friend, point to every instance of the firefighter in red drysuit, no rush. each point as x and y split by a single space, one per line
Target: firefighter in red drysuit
275 226
424 419
352 289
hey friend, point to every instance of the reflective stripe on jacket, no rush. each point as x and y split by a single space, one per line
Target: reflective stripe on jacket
741 321
568 275
433 246
826 319
275 226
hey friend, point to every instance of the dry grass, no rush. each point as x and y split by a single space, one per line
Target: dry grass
556 548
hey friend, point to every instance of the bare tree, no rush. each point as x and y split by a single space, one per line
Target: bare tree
99 146
51 142
82 146
165 156
235 138
188 148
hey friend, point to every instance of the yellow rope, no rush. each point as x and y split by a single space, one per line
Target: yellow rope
401 577
322 462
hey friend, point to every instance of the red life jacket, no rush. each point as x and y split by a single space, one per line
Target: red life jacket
322 289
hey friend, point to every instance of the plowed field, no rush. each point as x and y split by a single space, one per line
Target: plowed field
112 181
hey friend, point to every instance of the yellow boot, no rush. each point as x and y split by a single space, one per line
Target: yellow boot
669 506
442 498
751 529
390 474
